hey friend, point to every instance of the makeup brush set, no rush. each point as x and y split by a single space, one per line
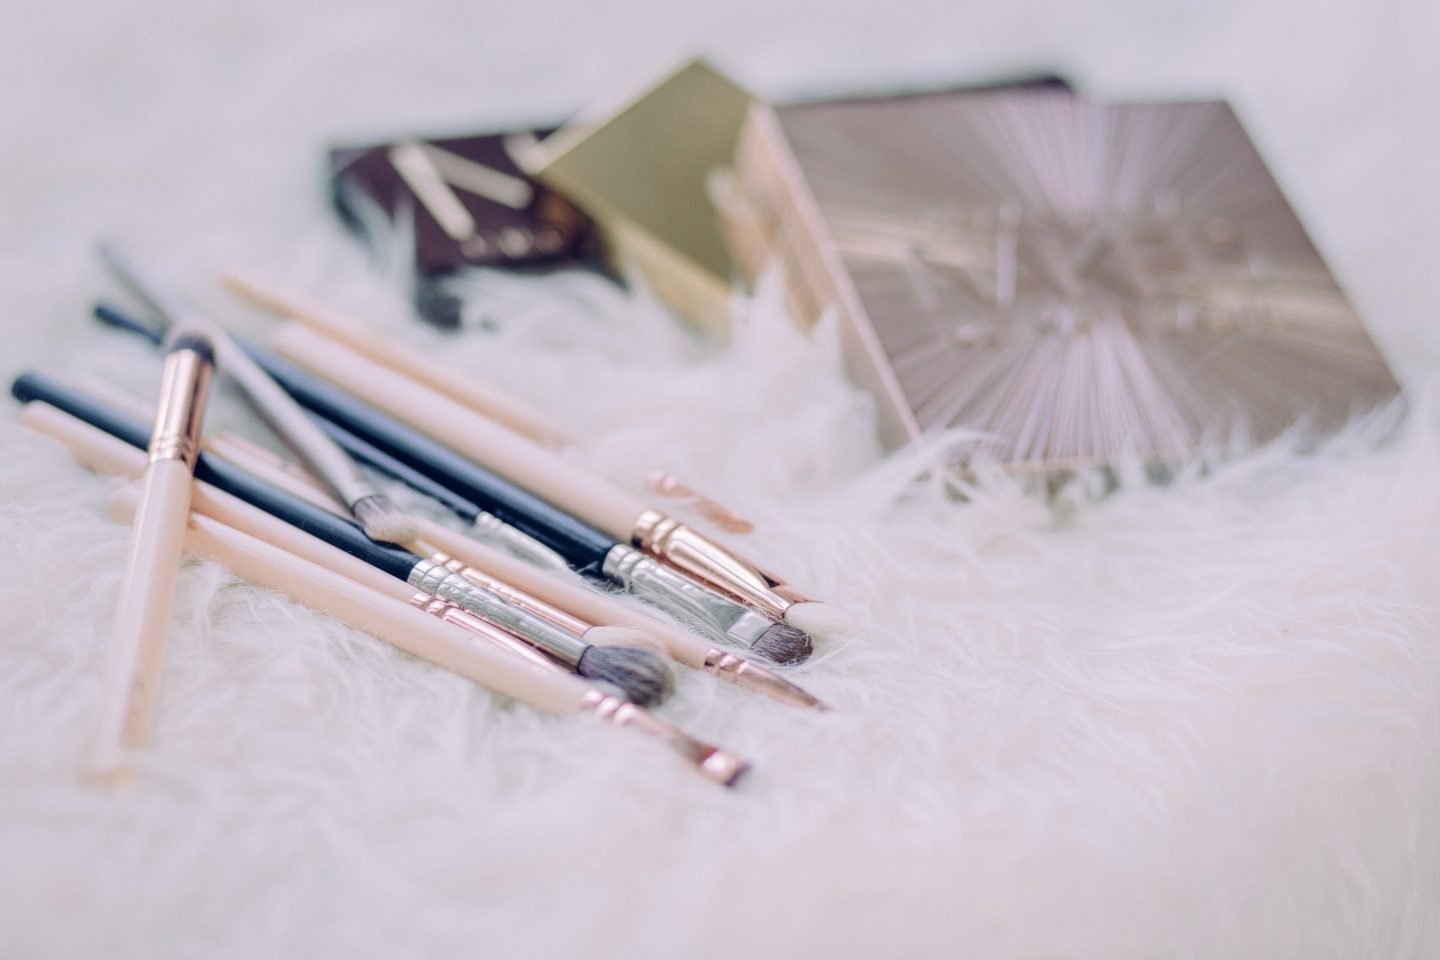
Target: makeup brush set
1079 282
519 595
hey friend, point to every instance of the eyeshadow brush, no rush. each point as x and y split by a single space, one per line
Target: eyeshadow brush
486 525
382 519
104 453
640 673
381 441
429 638
137 640
481 564
265 550
554 478
288 477
481 398
478 562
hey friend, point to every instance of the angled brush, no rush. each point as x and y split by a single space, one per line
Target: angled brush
640 673
382 519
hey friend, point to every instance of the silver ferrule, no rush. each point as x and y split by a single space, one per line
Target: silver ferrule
490 527
437 581
716 614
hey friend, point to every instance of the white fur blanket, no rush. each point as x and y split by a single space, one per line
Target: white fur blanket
1199 720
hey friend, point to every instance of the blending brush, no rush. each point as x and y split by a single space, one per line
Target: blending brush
382 519
489 567
486 525
137 641
390 446
107 454
554 478
485 400
640 673
476 561
407 627
265 550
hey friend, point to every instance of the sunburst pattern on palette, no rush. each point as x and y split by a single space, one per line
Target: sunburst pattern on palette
1079 281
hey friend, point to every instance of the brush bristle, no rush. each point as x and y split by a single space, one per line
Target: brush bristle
815 618
783 643
383 520
644 677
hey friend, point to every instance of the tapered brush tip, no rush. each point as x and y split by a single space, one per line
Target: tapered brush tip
783 643
644 677
383 520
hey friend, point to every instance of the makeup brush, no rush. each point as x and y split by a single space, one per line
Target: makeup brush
107 454
307 488
555 479
137 642
481 398
486 525
411 630
476 561
381 442
640 673
382 519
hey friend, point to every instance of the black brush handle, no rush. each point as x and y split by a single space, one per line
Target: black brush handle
109 316
357 448
334 530
377 459
583 546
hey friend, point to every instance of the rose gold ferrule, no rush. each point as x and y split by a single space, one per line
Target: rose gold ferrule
686 549
710 761
514 595
450 613
181 408
751 676
663 485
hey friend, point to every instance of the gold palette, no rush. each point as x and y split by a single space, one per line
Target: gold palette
1080 282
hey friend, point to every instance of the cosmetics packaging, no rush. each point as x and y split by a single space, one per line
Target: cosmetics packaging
1079 282
639 164
466 201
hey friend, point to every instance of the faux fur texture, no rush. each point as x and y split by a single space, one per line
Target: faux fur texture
1197 720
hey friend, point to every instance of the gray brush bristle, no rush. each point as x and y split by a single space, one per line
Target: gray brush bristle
782 643
382 519
644 677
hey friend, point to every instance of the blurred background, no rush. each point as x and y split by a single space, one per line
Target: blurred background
115 117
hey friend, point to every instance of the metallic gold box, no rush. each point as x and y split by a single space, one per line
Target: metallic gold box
1078 282
641 168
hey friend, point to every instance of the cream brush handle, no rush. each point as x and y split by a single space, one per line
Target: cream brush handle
504 410
542 472
385 617
137 641
136 649
104 453
396 623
